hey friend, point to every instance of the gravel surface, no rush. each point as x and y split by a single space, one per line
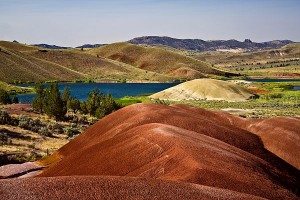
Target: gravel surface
110 188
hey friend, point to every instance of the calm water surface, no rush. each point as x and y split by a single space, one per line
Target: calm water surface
117 90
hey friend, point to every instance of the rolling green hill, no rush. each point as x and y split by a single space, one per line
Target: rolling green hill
157 60
12 88
17 46
19 66
19 62
97 68
137 63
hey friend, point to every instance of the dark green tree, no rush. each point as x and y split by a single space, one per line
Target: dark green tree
94 101
55 106
38 103
15 99
73 104
4 97
83 108
99 104
66 96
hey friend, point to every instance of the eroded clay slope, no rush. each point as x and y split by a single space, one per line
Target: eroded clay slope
177 143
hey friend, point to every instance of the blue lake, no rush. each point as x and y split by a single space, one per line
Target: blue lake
117 90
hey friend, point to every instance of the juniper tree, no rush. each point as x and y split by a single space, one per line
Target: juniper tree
55 106
73 104
38 103
66 96
4 97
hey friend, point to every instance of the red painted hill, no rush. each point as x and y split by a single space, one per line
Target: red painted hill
177 143
280 135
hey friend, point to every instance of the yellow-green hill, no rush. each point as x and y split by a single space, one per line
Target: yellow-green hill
97 68
209 89
17 46
19 66
13 88
19 62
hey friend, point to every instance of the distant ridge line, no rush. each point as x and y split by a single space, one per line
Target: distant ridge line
209 45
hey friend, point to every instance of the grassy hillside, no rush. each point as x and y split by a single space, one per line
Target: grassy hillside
17 46
19 66
97 68
157 60
12 88
290 51
135 63
287 71
275 63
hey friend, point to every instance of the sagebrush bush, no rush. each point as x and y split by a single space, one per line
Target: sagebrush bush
57 128
4 139
71 132
45 132
24 122
4 117
34 125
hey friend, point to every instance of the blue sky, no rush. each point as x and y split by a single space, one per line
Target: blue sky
75 22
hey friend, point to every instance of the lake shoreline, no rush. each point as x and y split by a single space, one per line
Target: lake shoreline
117 90
103 81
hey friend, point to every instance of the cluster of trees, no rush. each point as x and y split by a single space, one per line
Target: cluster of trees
51 102
98 104
5 98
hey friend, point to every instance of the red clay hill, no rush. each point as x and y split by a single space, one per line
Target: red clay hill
147 151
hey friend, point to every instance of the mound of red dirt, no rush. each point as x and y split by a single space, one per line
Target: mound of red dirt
280 135
178 143
244 159
80 187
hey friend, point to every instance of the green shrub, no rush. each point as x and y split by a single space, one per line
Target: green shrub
99 104
83 108
4 139
273 96
45 132
73 104
57 128
15 99
33 125
71 132
4 117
